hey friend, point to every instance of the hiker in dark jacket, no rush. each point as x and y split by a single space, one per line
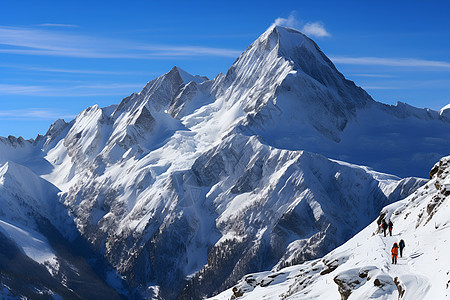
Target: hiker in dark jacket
384 226
390 225
401 246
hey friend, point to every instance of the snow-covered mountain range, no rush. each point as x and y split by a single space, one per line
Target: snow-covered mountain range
182 189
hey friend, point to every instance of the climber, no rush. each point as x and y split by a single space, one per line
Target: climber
390 225
394 253
384 226
401 246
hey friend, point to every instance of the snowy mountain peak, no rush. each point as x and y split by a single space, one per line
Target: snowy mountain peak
445 111
55 130
294 46
187 77
284 81
158 93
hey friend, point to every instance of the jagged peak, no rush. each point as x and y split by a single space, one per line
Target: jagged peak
53 132
57 126
286 40
187 77
159 92
404 110
15 141
445 111
295 48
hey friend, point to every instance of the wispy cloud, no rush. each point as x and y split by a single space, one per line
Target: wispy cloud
26 41
380 87
79 71
34 113
13 89
83 90
76 71
316 29
373 75
432 84
392 62
57 25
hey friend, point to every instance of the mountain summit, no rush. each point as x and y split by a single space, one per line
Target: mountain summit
287 86
291 95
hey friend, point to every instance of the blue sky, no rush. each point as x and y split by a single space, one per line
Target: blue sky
59 57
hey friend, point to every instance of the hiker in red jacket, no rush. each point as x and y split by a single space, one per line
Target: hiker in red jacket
394 253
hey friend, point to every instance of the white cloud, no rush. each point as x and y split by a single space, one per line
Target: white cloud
291 21
391 62
316 29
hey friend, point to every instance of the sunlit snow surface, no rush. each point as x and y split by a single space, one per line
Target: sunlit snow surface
31 243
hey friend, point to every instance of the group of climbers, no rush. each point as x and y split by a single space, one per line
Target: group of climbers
385 225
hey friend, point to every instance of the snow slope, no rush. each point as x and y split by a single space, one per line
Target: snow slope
23 195
362 268
32 244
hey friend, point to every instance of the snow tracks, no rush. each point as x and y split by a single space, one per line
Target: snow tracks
410 284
